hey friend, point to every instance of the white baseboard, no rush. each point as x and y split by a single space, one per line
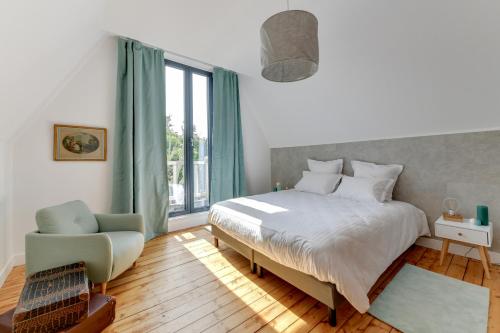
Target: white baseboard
15 260
458 249
4 272
187 221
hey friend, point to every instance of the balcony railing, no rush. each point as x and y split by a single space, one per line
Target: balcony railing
176 184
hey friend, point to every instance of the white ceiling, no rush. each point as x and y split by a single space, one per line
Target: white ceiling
220 32
388 68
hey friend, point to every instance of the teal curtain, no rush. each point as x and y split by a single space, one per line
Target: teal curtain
140 183
227 177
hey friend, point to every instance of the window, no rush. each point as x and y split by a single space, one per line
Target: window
188 110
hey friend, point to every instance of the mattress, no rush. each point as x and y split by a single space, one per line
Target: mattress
341 241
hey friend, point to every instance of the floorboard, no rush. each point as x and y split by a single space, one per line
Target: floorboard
182 283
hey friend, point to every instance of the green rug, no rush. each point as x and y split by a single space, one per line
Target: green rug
419 301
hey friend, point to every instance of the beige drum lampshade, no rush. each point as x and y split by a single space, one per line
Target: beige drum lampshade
289 49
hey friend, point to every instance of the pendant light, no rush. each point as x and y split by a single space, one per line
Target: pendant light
289 46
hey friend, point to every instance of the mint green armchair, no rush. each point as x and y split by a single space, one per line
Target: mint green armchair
109 244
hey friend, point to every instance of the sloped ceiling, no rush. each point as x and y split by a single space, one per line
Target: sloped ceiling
43 43
220 32
388 68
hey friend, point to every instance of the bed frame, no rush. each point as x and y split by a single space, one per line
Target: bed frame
324 292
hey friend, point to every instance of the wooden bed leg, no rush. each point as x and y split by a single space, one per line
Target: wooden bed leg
332 317
216 242
260 271
252 266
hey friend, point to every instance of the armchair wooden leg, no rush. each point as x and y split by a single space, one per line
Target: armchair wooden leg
104 285
134 264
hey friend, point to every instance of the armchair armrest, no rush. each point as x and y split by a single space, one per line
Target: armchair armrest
120 222
45 251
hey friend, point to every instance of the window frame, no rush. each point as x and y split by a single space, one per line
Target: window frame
188 134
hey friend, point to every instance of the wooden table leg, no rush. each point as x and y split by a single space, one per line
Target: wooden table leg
104 286
484 259
488 258
444 251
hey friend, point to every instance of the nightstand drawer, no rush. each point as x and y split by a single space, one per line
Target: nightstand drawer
461 234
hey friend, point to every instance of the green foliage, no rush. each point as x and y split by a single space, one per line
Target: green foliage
175 150
175 143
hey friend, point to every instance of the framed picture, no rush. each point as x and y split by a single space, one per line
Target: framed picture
79 143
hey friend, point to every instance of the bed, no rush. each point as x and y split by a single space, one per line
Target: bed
323 245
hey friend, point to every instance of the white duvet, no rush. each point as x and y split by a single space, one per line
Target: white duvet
341 241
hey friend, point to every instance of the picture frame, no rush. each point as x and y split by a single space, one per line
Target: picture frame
80 143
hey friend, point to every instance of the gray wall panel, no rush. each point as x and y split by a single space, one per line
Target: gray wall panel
465 166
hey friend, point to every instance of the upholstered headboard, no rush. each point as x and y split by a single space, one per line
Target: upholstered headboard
464 166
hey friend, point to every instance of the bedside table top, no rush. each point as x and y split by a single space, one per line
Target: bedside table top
466 224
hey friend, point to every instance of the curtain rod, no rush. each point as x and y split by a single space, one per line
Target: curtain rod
190 59
175 54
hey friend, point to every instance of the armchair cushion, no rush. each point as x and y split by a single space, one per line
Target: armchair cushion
120 222
72 217
127 247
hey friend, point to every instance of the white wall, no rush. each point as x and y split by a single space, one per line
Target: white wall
87 99
3 206
255 146
5 220
390 69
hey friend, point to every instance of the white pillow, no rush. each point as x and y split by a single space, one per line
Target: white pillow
334 166
315 182
363 189
378 171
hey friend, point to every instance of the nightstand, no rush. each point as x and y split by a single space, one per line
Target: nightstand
469 234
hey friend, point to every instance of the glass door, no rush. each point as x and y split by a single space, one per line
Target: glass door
188 110
174 94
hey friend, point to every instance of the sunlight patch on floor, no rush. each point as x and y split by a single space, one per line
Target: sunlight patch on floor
188 235
237 289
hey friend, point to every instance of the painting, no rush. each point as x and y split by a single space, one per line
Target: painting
79 143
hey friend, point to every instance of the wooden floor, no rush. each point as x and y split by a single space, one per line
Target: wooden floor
182 283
